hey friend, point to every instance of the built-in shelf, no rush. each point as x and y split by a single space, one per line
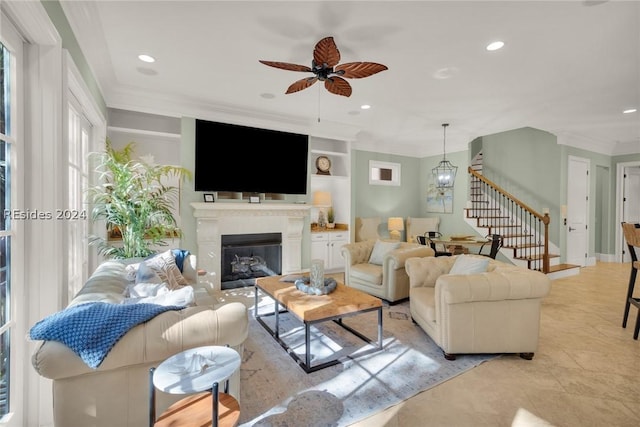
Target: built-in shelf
328 153
338 183
229 195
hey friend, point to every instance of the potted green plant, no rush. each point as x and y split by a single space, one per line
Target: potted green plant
331 218
134 203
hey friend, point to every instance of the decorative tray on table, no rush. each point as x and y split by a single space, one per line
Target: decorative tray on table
304 284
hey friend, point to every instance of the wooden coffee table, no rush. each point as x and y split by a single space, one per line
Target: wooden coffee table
311 309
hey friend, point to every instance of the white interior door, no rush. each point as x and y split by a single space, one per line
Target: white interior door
577 210
631 201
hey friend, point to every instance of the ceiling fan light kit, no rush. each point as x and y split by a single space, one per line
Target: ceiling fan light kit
325 68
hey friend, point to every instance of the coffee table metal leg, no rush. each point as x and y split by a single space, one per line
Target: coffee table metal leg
380 328
255 305
277 313
307 344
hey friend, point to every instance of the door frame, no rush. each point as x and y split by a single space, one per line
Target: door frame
587 260
620 167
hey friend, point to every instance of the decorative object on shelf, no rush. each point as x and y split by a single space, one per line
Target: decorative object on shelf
395 226
323 165
331 219
316 275
445 173
254 199
305 286
208 198
322 200
133 202
325 68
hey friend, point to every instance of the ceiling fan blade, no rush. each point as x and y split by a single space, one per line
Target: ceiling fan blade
326 52
286 66
301 84
357 70
338 85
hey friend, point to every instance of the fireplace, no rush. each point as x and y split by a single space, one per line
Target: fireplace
215 220
246 257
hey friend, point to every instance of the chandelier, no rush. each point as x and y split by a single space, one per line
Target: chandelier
444 174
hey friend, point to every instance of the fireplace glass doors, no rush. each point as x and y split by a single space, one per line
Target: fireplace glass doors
248 256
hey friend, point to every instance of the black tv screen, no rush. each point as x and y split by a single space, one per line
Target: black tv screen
250 160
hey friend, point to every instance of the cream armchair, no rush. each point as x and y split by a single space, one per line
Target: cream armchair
419 226
496 311
387 280
367 228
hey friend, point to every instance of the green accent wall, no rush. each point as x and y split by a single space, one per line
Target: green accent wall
410 198
526 162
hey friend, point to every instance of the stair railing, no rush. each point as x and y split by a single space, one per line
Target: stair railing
502 213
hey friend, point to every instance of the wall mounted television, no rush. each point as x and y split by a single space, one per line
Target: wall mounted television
245 159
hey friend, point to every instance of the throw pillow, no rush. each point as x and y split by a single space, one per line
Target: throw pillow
380 249
469 265
165 267
180 255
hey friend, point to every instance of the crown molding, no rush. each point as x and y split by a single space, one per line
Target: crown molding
32 21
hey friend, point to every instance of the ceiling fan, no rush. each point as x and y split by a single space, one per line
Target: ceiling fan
325 68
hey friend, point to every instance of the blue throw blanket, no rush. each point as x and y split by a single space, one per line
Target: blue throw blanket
93 328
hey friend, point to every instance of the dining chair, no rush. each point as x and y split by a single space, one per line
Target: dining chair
632 237
428 238
496 241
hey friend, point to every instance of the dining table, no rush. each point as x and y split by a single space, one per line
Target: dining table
458 244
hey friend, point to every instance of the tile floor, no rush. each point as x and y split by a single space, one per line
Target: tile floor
586 371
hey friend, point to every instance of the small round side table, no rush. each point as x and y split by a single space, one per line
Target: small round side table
197 370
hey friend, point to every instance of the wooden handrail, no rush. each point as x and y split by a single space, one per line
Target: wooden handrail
544 218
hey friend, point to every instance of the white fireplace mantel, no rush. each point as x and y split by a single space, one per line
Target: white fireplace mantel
214 220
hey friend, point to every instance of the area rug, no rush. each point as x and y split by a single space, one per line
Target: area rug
275 391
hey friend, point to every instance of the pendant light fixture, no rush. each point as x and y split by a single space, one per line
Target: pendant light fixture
444 174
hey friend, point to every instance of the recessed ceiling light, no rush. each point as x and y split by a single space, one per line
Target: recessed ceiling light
365 106
445 73
146 58
495 45
147 71
629 111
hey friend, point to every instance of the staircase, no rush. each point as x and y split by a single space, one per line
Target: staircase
525 232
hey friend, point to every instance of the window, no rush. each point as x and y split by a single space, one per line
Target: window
7 84
76 214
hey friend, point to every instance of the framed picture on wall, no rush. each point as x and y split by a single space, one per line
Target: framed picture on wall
384 173
439 201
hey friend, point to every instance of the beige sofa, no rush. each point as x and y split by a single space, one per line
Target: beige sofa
387 280
497 311
117 392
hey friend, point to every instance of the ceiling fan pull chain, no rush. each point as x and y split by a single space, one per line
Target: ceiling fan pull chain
319 94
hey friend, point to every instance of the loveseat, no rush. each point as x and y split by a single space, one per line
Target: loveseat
492 311
116 393
377 267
